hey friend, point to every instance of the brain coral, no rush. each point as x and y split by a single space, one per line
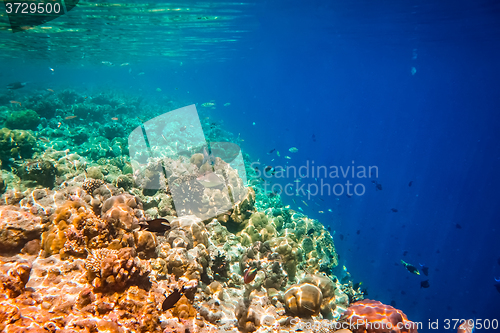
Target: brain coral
303 300
368 316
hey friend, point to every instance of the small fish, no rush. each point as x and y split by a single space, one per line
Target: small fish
410 268
16 85
425 269
278 153
141 73
15 102
329 210
70 117
249 275
124 64
50 90
357 285
158 89
207 105
410 183
293 150
114 118
341 238
458 226
156 225
425 284
358 232
107 63
305 203
210 180
288 157
271 151
394 210
405 253
227 104
43 139
183 128
171 299
321 212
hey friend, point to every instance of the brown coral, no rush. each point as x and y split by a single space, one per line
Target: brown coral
90 185
303 300
115 270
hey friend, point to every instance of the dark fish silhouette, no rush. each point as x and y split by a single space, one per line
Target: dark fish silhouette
357 285
393 303
358 232
314 138
394 210
425 270
271 151
497 284
341 237
171 299
378 186
156 225
405 253
458 226
183 128
425 284
410 183
16 85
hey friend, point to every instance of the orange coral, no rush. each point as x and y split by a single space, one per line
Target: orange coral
368 316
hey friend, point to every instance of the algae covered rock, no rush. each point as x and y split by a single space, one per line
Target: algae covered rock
41 172
17 227
16 144
26 119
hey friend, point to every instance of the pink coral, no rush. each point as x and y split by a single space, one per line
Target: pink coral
368 316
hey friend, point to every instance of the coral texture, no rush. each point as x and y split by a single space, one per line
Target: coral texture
368 316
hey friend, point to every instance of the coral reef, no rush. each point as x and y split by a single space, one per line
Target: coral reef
74 217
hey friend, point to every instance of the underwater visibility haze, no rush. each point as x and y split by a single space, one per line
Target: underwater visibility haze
260 166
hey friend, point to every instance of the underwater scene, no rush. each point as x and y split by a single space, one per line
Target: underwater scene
259 166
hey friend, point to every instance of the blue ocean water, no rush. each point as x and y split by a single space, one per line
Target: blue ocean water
409 88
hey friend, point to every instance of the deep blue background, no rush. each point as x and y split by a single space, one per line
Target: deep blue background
341 71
